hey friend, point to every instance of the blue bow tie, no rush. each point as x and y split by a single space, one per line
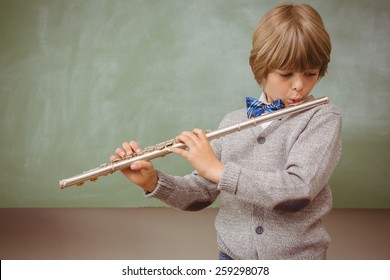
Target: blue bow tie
255 108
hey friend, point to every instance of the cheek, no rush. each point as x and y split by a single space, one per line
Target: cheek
310 85
271 83
278 87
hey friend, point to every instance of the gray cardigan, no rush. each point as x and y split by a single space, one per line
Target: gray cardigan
274 189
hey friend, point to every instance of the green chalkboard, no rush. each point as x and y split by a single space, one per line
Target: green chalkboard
77 78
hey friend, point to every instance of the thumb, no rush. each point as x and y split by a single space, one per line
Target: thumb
139 165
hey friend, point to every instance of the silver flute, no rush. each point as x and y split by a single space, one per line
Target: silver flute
164 148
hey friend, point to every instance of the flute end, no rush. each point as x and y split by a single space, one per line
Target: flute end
62 184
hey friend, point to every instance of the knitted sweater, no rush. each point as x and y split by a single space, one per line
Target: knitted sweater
274 189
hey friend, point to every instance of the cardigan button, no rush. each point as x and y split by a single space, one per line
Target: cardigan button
261 140
259 230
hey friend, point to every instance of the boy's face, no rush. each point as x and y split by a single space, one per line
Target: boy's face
289 86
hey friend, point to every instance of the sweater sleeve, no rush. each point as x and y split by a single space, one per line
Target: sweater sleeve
191 192
309 164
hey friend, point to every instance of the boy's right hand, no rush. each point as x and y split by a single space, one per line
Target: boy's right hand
141 173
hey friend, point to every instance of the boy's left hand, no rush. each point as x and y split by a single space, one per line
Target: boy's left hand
200 154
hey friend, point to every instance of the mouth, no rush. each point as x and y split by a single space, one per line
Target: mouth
295 101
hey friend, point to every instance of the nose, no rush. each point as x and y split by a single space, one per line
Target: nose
297 82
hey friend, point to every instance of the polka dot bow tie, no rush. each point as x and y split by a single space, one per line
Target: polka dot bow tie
255 108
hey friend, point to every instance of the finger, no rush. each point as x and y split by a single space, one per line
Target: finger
127 148
180 152
200 133
135 147
114 158
186 140
120 152
189 138
138 165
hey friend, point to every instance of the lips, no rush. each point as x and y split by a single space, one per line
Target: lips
294 100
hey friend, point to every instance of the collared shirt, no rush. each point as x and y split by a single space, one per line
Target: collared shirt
263 99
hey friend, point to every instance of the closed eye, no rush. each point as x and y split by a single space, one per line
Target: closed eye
285 74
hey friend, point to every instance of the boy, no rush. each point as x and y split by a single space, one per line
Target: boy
272 179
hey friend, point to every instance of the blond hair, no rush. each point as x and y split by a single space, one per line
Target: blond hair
290 37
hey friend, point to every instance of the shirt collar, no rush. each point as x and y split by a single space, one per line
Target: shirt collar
263 98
